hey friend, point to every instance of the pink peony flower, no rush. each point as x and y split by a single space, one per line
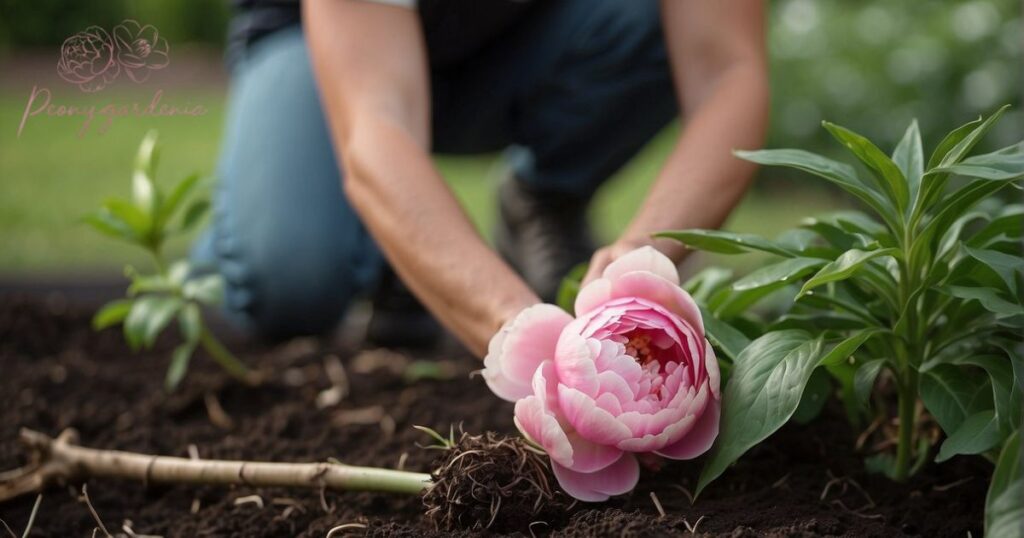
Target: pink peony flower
633 374
87 59
140 49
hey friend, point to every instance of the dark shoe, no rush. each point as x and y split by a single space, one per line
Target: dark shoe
398 319
543 235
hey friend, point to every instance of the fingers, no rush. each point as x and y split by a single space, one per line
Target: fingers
598 262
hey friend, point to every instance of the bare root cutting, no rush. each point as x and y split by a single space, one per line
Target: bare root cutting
60 461
493 482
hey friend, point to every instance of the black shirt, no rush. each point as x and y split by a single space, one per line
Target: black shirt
454 29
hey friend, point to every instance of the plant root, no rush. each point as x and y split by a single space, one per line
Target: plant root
493 482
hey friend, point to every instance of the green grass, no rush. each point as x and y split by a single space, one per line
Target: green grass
50 177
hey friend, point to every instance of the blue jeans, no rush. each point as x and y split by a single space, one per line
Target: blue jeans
576 89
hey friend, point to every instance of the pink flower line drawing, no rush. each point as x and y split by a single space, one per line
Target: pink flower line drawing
91 59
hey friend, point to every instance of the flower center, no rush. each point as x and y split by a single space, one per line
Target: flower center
639 347
142 47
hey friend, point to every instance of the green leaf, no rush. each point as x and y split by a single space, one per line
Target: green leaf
147 317
864 379
127 213
763 392
951 237
817 392
112 313
1009 223
840 174
207 289
194 214
178 272
887 175
144 192
909 158
1002 165
726 338
570 288
1004 503
951 140
950 151
105 223
177 196
988 298
179 366
843 267
1005 265
817 320
782 272
849 346
190 320
1005 394
150 284
728 303
724 242
976 434
707 282
951 394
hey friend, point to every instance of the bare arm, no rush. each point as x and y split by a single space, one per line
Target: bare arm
371 66
717 52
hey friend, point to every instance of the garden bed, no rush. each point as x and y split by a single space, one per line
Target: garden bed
56 373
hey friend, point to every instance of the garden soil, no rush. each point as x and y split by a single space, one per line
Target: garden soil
56 373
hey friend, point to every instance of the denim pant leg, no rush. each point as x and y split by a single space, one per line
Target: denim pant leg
578 87
292 251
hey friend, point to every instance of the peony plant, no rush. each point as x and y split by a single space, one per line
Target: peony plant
172 291
919 300
631 374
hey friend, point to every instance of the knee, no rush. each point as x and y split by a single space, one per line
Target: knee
294 285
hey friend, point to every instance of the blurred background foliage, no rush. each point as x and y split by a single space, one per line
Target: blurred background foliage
870 65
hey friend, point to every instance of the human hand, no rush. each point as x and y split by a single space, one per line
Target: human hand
606 255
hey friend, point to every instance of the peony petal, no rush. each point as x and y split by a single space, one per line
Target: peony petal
518 349
592 422
711 366
613 384
503 387
646 259
661 292
700 438
616 479
545 386
574 362
593 295
655 442
543 428
588 457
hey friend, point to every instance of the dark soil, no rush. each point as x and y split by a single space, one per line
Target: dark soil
56 373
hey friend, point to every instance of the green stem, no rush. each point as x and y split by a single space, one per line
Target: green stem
158 261
224 358
908 423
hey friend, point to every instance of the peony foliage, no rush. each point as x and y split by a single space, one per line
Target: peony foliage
917 298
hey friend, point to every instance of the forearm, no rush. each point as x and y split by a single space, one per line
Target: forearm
702 181
370 64
426 236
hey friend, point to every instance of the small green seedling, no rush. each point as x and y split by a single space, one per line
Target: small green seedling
172 291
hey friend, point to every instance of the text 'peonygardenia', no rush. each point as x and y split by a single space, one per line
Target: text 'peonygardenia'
632 374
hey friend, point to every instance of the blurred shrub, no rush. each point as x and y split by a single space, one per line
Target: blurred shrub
872 65
43 23
868 64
